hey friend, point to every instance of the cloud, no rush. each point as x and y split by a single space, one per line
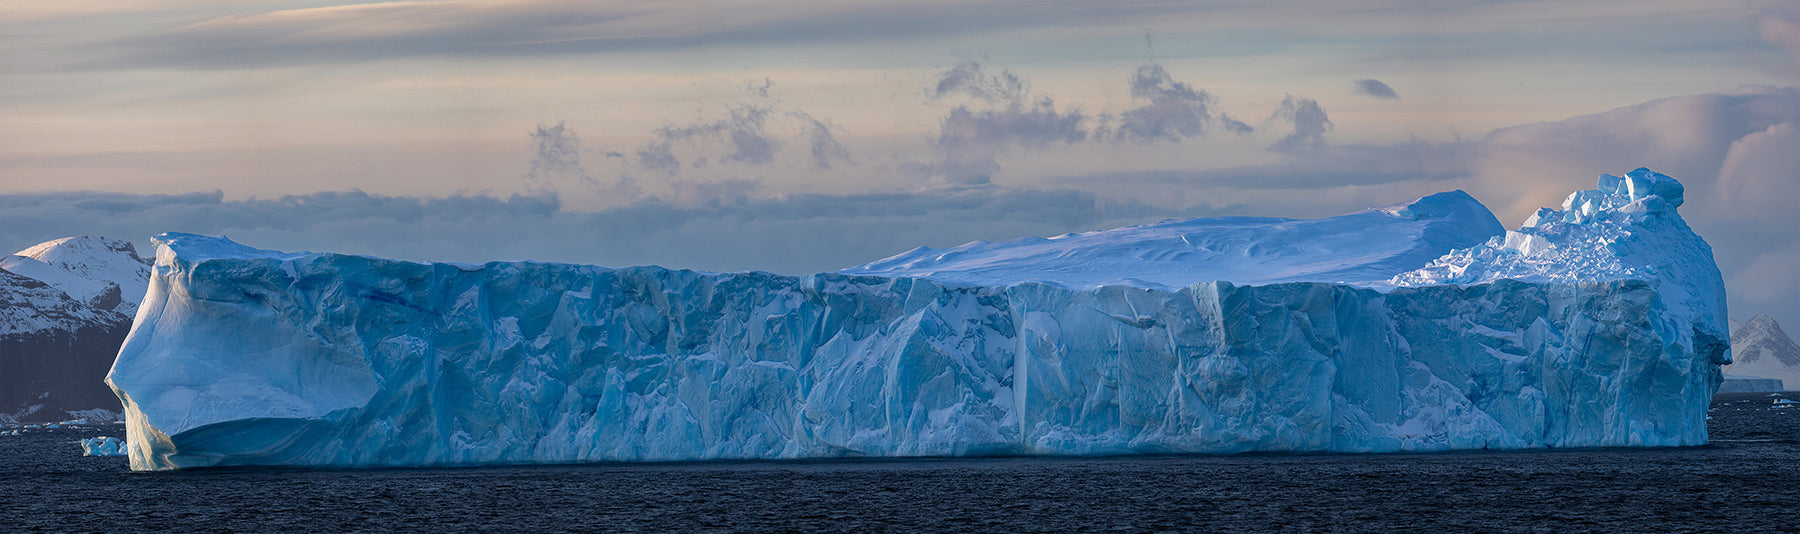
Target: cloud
1309 122
215 35
1783 31
1171 110
1688 137
558 157
743 135
1330 167
1734 152
798 234
825 147
1002 115
393 30
1376 88
972 79
1754 204
723 154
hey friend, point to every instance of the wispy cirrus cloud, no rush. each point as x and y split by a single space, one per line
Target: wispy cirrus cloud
219 35
391 30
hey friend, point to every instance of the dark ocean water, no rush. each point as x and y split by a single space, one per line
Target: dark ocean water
1748 480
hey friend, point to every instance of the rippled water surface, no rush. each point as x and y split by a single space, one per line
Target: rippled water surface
1745 481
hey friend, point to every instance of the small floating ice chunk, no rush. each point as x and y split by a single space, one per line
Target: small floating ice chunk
102 446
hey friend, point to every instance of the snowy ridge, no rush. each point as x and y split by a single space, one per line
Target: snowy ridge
1761 338
99 272
65 306
249 357
1368 246
29 306
1761 348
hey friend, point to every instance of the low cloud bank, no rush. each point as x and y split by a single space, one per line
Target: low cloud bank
798 234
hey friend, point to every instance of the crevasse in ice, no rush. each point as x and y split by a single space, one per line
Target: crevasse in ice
1597 325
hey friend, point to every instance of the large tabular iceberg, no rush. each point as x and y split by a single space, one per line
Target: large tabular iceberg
1419 326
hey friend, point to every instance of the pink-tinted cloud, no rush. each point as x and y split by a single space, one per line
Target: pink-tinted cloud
1783 31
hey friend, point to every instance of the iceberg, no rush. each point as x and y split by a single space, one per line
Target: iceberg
1750 384
102 446
1422 326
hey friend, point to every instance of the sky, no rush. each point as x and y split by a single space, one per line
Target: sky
797 138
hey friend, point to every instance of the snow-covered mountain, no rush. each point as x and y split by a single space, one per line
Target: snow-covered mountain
103 273
65 307
1759 347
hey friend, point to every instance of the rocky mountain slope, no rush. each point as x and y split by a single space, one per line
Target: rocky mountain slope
65 307
1760 348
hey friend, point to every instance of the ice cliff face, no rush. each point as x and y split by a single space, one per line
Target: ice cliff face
244 356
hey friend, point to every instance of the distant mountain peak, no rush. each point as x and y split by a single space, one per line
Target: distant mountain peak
103 273
65 306
1762 338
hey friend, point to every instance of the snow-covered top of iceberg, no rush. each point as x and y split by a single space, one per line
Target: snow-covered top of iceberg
1368 246
194 248
1627 228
